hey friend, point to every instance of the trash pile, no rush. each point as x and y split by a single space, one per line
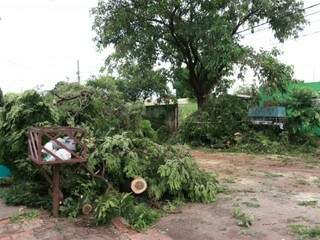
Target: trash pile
59 148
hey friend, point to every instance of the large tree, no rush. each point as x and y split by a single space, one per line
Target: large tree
200 36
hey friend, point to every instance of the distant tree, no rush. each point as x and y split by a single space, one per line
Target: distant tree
201 36
141 83
249 90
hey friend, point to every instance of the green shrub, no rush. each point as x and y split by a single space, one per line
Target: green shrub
30 194
115 204
169 171
215 126
18 114
305 232
243 219
216 123
23 216
303 116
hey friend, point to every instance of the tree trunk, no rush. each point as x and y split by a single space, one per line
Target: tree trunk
201 91
201 100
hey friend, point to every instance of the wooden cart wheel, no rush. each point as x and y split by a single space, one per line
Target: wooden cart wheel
139 185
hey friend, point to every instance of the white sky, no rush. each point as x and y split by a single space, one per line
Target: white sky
41 40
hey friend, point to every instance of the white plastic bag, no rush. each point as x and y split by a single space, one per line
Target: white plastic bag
63 154
48 146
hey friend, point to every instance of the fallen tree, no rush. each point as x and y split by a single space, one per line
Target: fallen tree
121 149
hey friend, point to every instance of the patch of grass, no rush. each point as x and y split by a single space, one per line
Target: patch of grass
172 206
24 216
251 204
225 190
243 219
309 203
305 232
317 181
273 175
302 181
186 109
229 179
58 228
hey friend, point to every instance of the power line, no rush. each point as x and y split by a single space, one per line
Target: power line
286 15
296 39
267 28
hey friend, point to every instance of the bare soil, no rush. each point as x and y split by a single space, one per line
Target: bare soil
274 190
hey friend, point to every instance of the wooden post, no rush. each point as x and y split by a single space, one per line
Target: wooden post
55 190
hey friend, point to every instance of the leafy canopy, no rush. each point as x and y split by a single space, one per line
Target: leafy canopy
203 37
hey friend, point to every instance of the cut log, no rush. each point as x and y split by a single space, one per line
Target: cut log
86 209
139 185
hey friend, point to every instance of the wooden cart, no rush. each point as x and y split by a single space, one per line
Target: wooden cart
37 139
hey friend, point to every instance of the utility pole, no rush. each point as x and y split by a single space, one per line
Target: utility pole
78 70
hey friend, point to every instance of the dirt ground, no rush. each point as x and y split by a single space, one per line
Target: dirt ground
275 191
271 189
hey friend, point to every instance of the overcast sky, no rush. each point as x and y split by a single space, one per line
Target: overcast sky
41 40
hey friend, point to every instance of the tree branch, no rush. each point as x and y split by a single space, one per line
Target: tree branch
244 20
69 98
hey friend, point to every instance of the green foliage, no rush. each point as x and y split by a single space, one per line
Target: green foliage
121 147
70 208
169 171
305 232
6 181
216 123
147 130
115 204
308 203
303 115
18 114
30 194
261 141
200 41
141 83
112 205
243 220
180 84
24 216
270 72
186 109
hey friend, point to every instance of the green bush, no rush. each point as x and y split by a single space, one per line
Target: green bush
169 171
30 194
216 123
115 204
18 114
303 116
